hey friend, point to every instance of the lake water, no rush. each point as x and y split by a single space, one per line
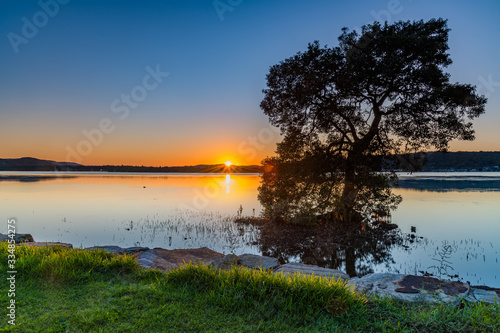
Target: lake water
195 210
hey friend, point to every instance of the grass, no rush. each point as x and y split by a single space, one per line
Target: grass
61 290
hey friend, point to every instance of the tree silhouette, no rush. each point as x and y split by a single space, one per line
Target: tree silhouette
345 111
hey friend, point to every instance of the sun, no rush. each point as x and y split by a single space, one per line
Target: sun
228 163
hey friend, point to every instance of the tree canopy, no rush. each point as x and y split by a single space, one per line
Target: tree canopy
345 111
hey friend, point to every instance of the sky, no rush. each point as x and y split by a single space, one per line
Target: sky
167 83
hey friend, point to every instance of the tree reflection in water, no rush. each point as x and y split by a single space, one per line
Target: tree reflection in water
352 249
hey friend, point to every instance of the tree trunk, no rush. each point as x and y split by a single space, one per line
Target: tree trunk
355 159
351 189
350 261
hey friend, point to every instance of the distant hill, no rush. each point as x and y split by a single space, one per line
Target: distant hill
435 161
34 164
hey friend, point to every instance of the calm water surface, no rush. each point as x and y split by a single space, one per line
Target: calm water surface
186 210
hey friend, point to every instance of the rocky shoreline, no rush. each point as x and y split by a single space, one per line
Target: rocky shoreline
401 286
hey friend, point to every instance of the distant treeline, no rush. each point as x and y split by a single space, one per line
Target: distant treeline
455 161
216 168
34 164
463 161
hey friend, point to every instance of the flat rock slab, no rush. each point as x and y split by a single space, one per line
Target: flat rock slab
18 238
227 262
109 248
410 287
135 249
292 268
496 290
410 283
48 244
487 295
168 259
118 249
256 261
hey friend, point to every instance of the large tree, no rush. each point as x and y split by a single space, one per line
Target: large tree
345 111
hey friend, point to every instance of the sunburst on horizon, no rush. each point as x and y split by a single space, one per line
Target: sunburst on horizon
228 163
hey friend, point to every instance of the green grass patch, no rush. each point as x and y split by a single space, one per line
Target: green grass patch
62 290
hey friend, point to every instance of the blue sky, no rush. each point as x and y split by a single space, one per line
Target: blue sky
63 80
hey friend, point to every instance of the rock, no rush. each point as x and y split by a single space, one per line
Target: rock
118 249
49 244
149 259
365 288
293 267
487 296
135 249
227 262
168 259
109 248
410 287
450 288
497 290
256 261
407 290
18 238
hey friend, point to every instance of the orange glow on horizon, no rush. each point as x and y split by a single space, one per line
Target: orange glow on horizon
158 151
